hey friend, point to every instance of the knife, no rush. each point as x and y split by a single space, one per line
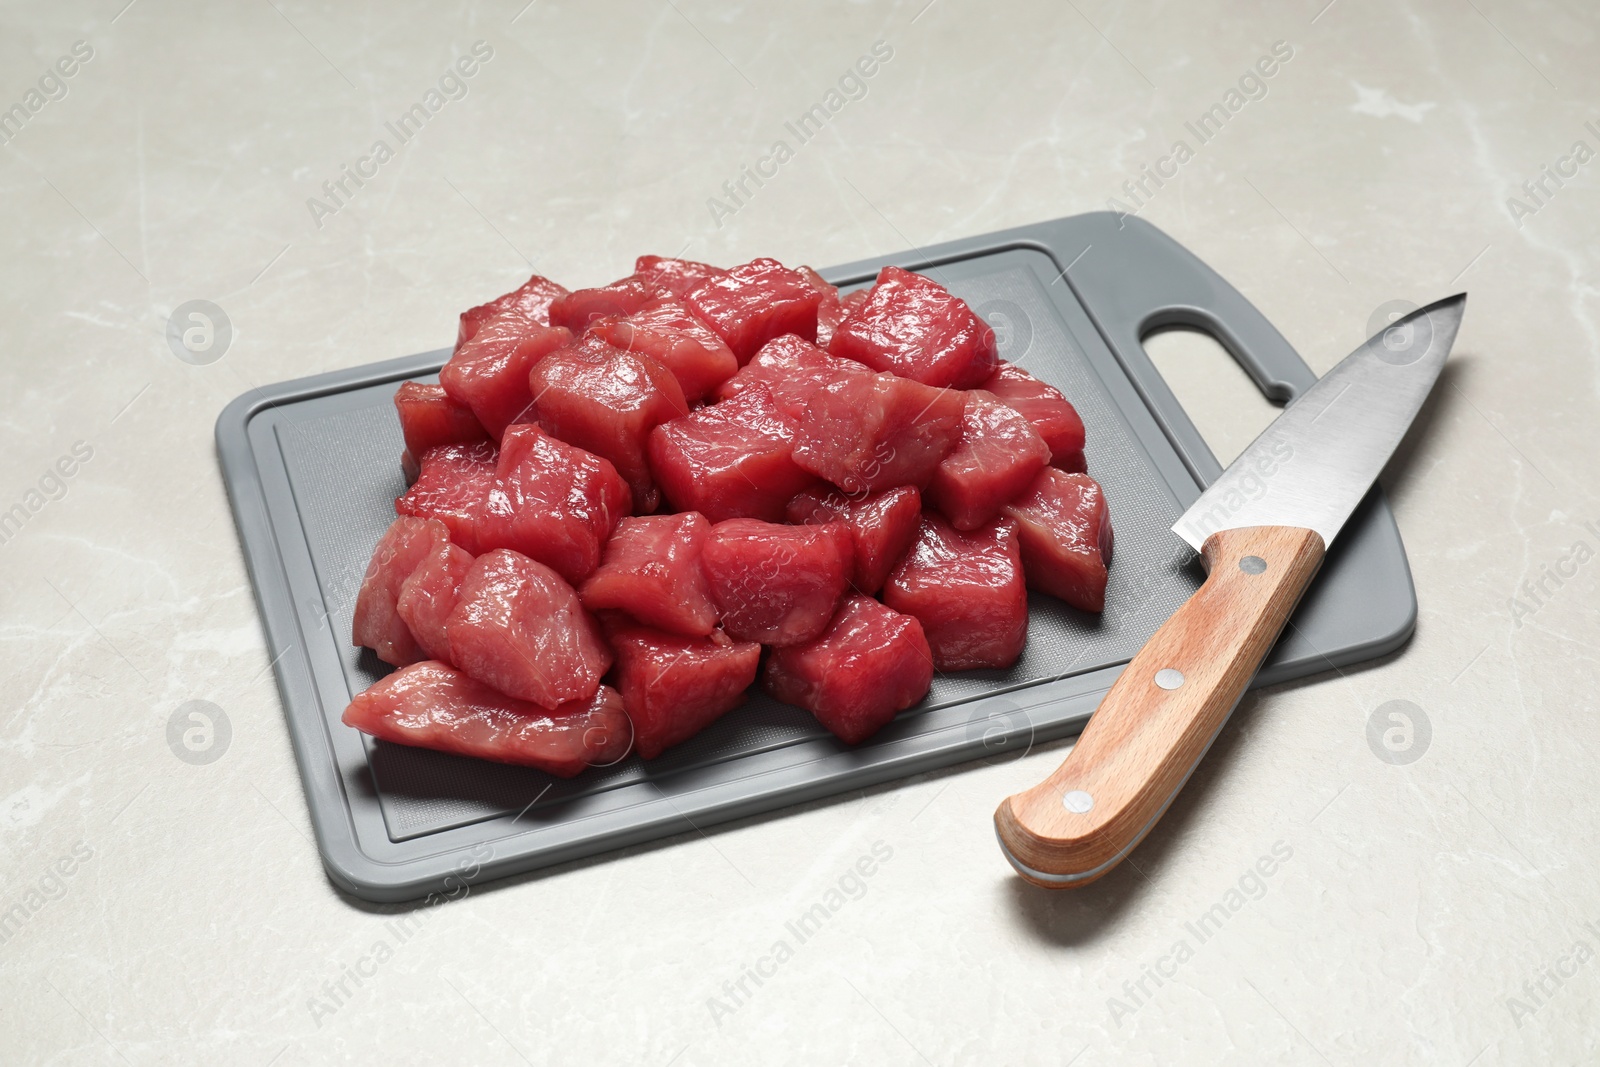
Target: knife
1262 529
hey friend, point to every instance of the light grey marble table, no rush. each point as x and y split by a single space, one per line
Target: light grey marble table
152 910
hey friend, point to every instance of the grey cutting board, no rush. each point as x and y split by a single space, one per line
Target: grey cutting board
312 470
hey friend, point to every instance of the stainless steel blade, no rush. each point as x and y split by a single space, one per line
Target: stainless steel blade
1316 461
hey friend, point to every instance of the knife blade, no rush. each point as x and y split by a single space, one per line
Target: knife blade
1262 528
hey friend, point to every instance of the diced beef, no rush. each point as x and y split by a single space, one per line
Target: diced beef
869 432
668 333
997 457
882 527
731 459
607 400
774 583
429 418
675 686
489 372
915 327
1052 415
792 369
830 313
675 276
755 302
551 501
967 591
429 595
651 571
452 484
1064 527
531 300
518 626
581 307
430 705
378 625
870 663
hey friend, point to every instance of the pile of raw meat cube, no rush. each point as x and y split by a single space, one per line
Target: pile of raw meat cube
628 502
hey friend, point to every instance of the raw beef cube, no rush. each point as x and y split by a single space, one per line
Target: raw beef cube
429 596
870 432
518 627
830 313
675 686
1052 415
730 459
489 373
818 282
793 369
833 308
651 570
773 583
1072 463
882 527
755 302
581 307
452 484
668 333
675 276
996 458
967 591
913 326
607 400
378 625
430 705
409 466
429 418
1064 528
551 501
532 300
870 663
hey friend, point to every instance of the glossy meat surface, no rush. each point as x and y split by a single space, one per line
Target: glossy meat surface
913 326
728 460
429 418
775 583
452 485
792 369
606 400
518 626
651 571
870 663
675 686
552 501
429 595
997 457
377 624
1053 417
967 591
832 311
489 372
431 705
870 432
531 300
667 332
882 527
675 276
581 307
755 302
1064 527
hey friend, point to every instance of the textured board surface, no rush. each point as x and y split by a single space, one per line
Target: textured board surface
313 469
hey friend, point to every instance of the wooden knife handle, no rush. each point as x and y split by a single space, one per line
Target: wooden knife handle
1162 714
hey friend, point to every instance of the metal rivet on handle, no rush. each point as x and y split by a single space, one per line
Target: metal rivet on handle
1169 678
1252 564
1077 801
